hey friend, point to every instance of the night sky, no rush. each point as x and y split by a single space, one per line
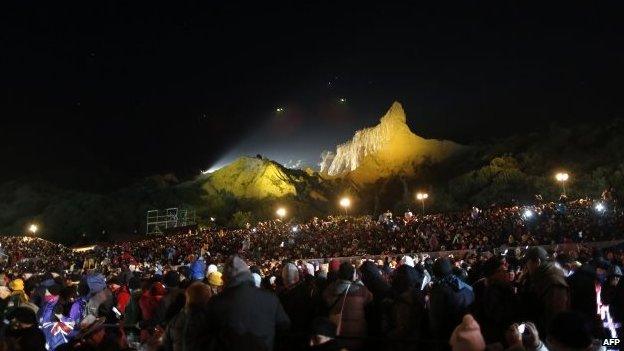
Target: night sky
118 91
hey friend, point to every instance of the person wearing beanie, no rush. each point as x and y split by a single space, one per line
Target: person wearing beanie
496 304
24 330
467 336
545 291
297 299
246 313
450 298
442 267
100 297
346 299
211 268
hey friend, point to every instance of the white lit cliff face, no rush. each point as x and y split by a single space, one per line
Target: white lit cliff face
388 148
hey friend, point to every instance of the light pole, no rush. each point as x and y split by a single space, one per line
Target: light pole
345 202
562 177
281 212
422 197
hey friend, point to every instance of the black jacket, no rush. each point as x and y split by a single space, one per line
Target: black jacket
450 300
495 308
31 339
241 310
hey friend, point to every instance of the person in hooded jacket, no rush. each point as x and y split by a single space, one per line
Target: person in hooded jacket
198 268
100 300
347 298
450 299
243 314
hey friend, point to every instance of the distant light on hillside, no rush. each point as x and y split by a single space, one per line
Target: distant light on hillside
213 169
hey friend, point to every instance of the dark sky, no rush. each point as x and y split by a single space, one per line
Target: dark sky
123 90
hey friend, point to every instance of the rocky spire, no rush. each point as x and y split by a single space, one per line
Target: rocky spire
394 114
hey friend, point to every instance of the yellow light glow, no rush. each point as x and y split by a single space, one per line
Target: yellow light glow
281 212
33 228
562 176
422 196
345 202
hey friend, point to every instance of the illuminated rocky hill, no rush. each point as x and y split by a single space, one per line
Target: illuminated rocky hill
387 149
257 178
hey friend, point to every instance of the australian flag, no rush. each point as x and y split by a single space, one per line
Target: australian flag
58 332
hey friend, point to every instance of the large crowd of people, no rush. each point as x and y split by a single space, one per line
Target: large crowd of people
516 278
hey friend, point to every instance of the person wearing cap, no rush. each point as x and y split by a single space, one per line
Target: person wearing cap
24 329
450 299
243 312
544 291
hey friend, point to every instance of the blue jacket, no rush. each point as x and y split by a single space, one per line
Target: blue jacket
198 269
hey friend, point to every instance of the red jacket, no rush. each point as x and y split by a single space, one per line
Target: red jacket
122 296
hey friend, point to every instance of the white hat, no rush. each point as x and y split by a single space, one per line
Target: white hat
257 279
408 261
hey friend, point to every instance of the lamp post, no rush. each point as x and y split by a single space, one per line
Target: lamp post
562 177
281 212
422 197
345 203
